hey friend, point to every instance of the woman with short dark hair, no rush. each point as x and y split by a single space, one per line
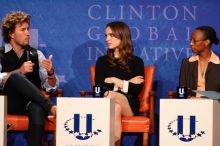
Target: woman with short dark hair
201 71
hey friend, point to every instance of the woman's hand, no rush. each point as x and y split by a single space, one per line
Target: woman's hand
137 80
109 80
113 80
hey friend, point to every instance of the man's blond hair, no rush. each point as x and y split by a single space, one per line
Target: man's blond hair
9 23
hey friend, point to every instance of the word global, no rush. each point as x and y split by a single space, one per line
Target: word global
152 53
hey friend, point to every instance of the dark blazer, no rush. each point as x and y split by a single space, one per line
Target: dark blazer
189 75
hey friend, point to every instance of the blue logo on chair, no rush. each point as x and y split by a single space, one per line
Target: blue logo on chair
179 132
73 127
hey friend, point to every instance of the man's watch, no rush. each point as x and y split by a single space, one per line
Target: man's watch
51 72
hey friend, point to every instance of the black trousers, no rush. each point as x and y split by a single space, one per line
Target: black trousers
25 99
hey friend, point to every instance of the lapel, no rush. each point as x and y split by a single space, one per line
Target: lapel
209 68
194 72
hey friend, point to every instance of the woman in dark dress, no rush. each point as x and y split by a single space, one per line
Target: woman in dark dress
121 72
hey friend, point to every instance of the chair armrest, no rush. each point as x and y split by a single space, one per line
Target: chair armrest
171 94
57 93
151 112
84 93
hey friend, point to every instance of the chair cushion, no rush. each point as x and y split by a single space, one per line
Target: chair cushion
135 124
20 122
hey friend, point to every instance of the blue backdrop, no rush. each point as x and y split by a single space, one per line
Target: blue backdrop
73 31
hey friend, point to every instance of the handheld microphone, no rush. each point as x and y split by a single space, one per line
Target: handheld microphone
28 55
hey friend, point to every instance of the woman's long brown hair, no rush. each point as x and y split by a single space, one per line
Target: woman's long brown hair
121 31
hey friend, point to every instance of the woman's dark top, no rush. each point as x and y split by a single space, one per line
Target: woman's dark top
104 70
189 75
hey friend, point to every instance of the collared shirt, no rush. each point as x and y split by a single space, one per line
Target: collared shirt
42 71
201 78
